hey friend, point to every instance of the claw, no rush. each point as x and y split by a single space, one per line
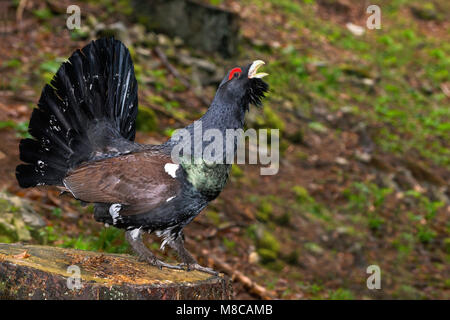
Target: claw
161 264
158 263
196 266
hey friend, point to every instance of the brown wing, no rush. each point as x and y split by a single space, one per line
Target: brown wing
137 180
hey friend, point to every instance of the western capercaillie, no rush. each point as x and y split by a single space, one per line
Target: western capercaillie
83 142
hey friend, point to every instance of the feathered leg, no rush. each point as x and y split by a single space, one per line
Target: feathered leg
134 238
188 260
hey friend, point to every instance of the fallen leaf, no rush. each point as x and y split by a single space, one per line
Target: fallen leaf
22 255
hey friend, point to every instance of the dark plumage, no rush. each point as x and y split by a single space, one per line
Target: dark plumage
83 132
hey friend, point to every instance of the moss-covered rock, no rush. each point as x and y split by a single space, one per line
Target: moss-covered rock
17 219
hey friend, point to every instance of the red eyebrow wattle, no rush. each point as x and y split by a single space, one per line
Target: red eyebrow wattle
233 71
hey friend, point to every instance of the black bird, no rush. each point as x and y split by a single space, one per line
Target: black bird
83 132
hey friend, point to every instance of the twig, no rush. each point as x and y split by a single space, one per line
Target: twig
215 231
162 56
20 9
165 61
248 283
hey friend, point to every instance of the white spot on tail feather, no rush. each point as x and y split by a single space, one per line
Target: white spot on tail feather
40 164
170 198
114 211
171 169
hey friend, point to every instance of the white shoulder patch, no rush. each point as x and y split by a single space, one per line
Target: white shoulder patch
170 198
171 169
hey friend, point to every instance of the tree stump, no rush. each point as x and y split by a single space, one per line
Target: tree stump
43 272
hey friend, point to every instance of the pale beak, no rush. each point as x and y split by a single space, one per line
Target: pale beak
253 71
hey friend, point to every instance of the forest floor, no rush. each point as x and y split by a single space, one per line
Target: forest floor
365 157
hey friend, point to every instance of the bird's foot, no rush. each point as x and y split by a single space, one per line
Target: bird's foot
196 266
159 264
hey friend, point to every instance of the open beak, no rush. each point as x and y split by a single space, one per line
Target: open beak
253 71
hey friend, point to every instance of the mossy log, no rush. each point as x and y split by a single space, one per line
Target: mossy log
43 272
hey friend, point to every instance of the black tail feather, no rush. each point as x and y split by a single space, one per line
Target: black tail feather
94 93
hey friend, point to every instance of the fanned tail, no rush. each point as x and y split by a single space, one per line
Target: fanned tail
88 111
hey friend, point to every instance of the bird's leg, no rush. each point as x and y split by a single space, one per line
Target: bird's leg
188 260
134 238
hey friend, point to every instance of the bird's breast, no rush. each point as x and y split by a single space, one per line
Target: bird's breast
208 179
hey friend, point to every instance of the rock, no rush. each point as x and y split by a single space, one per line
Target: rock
341 161
199 25
91 21
314 248
355 29
29 216
253 257
204 72
16 217
163 40
137 32
197 62
42 272
363 156
368 82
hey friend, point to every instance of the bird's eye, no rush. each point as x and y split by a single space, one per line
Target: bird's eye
234 72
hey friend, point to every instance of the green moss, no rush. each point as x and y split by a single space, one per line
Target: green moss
318 127
12 63
146 120
265 211
213 216
268 120
446 244
425 234
230 245
301 195
267 255
313 247
109 240
375 222
272 119
43 14
427 11
236 171
341 294
269 242
274 265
